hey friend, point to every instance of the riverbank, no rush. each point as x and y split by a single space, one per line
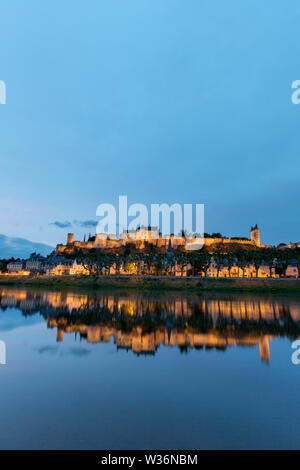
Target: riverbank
158 283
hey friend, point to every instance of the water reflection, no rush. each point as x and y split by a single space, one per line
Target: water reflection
143 322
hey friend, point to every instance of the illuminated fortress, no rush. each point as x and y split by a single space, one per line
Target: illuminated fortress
145 236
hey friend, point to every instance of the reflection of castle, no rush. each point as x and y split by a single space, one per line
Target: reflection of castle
142 323
151 236
141 342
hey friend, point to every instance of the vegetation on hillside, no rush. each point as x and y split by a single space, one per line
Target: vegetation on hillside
153 261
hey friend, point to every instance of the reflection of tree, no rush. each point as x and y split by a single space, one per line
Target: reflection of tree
184 349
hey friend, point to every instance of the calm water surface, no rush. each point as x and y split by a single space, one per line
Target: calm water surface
117 370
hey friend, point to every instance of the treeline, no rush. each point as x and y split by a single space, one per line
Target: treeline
196 262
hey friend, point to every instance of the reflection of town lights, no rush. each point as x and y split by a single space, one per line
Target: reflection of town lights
181 327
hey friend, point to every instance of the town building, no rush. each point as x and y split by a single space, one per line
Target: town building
35 263
15 267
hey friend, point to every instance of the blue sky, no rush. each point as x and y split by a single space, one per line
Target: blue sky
160 100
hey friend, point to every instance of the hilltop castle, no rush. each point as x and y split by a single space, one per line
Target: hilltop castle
145 236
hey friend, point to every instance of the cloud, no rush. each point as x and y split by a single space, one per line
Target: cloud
79 351
47 349
79 223
86 223
61 224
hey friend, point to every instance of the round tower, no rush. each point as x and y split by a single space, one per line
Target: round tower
255 235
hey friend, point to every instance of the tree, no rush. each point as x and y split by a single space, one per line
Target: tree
257 261
219 261
243 259
230 258
181 258
216 235
119 262
203 261
284 260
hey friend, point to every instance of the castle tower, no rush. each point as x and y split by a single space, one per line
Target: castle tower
255 236
60 335
70 239
264 349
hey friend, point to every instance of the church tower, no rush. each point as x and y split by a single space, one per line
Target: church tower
255 236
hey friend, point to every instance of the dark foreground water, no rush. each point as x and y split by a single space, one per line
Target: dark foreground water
132 370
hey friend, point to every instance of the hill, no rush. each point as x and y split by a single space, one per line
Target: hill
21 248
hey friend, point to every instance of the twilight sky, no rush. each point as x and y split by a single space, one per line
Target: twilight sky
159 100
